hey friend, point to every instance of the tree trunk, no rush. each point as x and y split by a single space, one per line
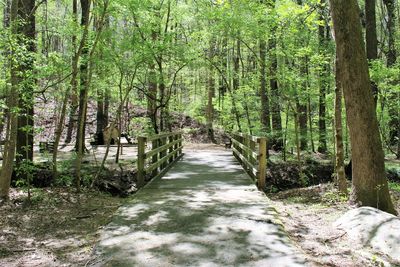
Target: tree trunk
277 137
301 105
370 187
100 117
324 80
210 95
371 38
7 13
74 83
87 79
339 163
106 105
391 55
6 24
265 117
26 100
12 120
83 88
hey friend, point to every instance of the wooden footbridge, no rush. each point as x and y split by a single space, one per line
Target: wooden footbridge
204 211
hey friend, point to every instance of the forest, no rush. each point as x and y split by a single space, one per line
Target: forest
98 99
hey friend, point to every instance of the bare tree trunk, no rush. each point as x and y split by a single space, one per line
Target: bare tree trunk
391 55
12 120
6 25
310 123
26 13
371 38
370 187
302 121
210 95
83 88
302 107
100 117
339 163
74 83
324 80
265 117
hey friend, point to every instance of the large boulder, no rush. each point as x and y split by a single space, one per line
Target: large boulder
375 229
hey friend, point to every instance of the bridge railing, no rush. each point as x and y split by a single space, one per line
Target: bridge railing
251 152
164 150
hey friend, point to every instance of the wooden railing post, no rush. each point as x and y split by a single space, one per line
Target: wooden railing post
262 163
163 153
141 160
154 159
170 140
180 143
252 146
247 144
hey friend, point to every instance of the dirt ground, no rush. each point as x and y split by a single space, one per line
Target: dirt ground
308 215
58 228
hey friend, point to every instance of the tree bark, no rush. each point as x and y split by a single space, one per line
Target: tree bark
83 88
12 120
391 56
370 187
100 125
371 38
74 83
26 13
265 117
339 162
277 140
324 80
210 95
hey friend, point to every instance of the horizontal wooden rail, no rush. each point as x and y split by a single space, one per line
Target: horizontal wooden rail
165 149
251 152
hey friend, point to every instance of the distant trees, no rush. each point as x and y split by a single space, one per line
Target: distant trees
259 67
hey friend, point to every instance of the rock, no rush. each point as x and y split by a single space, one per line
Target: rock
373 228
117 183
289 175
393 175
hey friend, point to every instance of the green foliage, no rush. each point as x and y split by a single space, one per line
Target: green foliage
394 186
333 197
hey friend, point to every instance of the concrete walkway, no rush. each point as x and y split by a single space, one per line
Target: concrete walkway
204 212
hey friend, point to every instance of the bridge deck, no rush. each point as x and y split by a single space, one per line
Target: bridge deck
204 212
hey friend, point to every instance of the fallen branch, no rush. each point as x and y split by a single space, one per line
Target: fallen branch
23 250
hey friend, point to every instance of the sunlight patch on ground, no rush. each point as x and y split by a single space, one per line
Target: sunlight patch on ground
202 213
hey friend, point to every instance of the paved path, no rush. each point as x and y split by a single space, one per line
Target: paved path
204 212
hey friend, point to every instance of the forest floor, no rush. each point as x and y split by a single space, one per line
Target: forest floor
58 228
308 215
61 228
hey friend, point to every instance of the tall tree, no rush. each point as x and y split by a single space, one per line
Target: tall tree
391 57
301 107
265 110
265 117
27 32
74 82
12 103
323 36
277 140
371 38
210 94
370 187
339 162
83 88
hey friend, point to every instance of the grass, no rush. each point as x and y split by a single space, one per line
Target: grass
394 186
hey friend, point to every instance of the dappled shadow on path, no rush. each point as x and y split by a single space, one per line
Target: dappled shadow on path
204 212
